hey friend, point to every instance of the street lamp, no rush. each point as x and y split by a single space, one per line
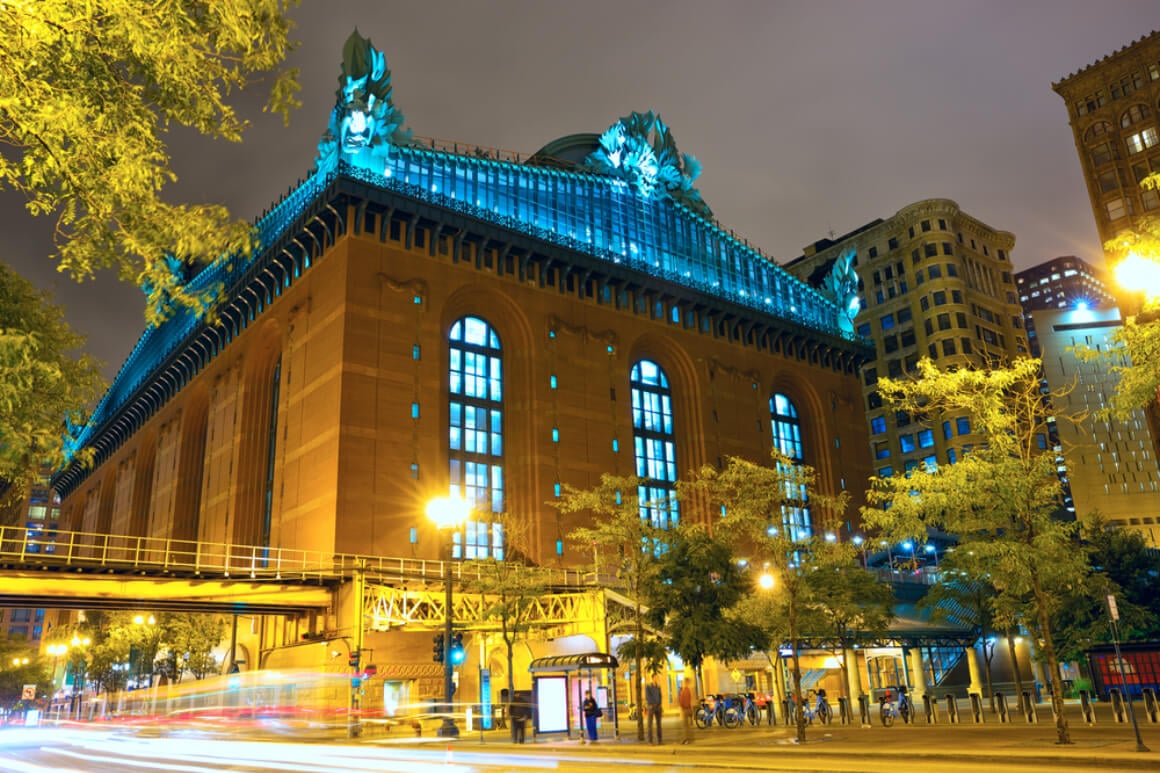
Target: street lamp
57 651
860 543
448 513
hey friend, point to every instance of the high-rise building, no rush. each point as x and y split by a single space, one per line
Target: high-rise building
1062 283
1111 465
1112 107
938 283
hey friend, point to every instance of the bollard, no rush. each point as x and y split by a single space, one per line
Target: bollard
770 713
1085 706
952 709
977 715
1150 707
1118 712
1001 707
864 709
844 710
1029 709
930 706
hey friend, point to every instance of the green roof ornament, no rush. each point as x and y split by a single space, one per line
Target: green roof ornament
841 286
640 150
365 124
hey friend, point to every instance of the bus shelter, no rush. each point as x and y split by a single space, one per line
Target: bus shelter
558 686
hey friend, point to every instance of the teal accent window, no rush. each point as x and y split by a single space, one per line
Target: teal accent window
963 425
416 352
878 425
556 489
475 437
786 430
418 300
615 446
414 410
885 472
786 427
947 434
552 381
952 457
555 435
654 444
925 438
906 443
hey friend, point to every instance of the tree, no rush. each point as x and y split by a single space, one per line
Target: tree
186 643
999 498
849 604
43 378
1123 566
20 666
1136 345
89 91
511 589
625 542
698 580
766 520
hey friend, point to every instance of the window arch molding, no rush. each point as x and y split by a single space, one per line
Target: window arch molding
1096 131
1134 115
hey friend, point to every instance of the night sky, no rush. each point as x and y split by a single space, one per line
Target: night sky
810 117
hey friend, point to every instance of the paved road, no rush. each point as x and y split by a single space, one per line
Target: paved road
844 749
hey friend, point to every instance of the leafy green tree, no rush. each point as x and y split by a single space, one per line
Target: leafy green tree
20 665
999 498
1123 566
848 604
624 542
512 590
186 643
43 378
1135 346
89 91
698 580
762 505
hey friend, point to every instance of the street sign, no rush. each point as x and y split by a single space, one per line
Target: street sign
28 693
1115 613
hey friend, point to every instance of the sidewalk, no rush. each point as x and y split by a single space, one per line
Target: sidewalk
1105 746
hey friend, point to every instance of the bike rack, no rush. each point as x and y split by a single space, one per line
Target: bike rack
1001 705
952 708
1029 709
1085 705
1150 707
977 714
1119 712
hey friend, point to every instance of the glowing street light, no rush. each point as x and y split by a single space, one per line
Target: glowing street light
57 651
1139 274
448 513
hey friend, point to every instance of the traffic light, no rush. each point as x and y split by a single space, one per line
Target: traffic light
458 654
353 658
437 650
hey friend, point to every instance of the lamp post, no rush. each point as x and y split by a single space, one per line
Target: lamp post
448 513
57 651
860 543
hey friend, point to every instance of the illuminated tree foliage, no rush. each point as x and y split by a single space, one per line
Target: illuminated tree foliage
999 498
511 589
88 92
1136 354
43 378
756 499
623 545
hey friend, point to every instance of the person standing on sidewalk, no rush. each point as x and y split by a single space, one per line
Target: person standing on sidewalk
652 702
592 712
685 701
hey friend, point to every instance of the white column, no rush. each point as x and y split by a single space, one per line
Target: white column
972 657
918 687
855 676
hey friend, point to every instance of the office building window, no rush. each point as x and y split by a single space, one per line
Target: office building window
654 443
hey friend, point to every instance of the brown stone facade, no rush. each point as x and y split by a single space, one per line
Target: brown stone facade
355 351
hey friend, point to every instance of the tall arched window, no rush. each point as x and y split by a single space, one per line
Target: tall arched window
786 431
652 430
475 447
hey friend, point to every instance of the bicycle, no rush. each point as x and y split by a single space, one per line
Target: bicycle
887 712
821 709
748 710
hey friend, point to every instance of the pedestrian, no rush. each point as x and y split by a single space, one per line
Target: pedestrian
519 713
652 701
592 712
685 701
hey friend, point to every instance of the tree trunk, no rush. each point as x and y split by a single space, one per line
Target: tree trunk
988 657
1062 730
638 677
1015 669
798 707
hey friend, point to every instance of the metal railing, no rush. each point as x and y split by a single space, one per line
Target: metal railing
50 548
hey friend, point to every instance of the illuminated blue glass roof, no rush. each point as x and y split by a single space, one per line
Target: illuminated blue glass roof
618 217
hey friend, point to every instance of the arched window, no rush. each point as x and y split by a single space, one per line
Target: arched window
1097 130
652 431
786 431
1134 115
475 440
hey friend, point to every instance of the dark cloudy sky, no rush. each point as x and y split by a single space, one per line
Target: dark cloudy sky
809 116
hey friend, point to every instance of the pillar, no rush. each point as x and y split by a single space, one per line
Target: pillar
918 687
854 674
972 657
